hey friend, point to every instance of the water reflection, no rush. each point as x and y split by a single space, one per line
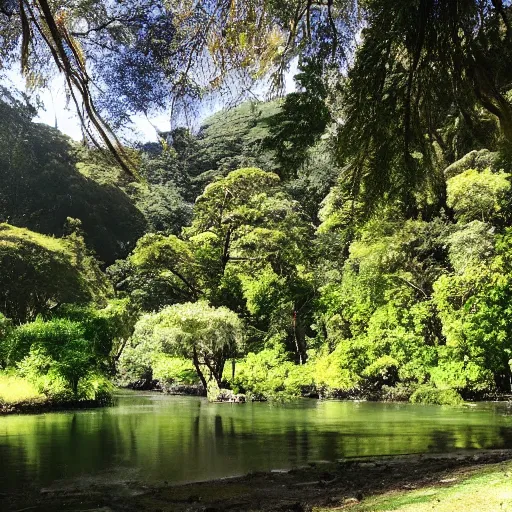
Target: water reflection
177 439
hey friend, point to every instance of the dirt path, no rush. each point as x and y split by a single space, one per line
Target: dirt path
316 485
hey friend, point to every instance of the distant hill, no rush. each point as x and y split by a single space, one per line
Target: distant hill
41 187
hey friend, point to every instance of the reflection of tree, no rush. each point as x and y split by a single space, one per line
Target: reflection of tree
14 474
476 437
291 444
196 430
441 441
219 432
506 436
304 445
329 445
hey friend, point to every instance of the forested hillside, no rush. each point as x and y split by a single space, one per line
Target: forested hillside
349 239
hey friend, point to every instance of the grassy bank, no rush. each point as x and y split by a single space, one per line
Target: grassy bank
15 390
487 489
20 396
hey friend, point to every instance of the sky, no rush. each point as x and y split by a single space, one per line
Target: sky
57 112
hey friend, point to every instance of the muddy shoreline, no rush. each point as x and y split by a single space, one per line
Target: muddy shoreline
324 484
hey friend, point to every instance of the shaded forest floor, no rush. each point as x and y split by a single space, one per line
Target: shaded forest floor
323 487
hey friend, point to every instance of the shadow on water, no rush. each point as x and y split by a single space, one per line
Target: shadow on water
442 441
156 438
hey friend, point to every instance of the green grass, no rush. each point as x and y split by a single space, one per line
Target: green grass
485 490
14 389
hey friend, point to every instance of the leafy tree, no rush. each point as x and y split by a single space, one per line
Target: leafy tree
245 218
478 195
57 345
202 334
245 229
161 271
162 206
418 63
301 120
107 329
38 273
171 161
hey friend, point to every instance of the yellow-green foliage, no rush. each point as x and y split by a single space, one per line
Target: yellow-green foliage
15 389
332 370
427 394
174 370
270 374
14 237
204 335
478 195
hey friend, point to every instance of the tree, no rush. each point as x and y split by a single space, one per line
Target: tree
163 207
107 330
148 54
301 121
38 273
54 346
479 195
244 217
45 179
162 270
244 230
196 331
419 66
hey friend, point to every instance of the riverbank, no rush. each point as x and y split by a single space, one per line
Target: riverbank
19 396
408 483
370 394
45 405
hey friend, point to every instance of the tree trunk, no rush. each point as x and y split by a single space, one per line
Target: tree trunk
74 387
195 360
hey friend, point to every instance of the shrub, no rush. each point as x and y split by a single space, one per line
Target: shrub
14 389
55 349
271 375
174 370
427 394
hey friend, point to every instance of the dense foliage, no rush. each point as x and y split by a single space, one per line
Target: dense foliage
352 238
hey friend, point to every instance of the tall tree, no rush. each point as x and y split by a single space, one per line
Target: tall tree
143 54
419 62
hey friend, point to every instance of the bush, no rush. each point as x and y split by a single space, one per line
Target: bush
14 389
55 349
96 387
335 370
430 395
271 375
400 392
174 370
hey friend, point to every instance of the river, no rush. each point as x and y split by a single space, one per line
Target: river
153 437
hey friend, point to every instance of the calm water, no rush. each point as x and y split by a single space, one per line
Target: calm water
154 437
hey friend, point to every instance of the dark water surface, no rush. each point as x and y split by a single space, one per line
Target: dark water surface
155 437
